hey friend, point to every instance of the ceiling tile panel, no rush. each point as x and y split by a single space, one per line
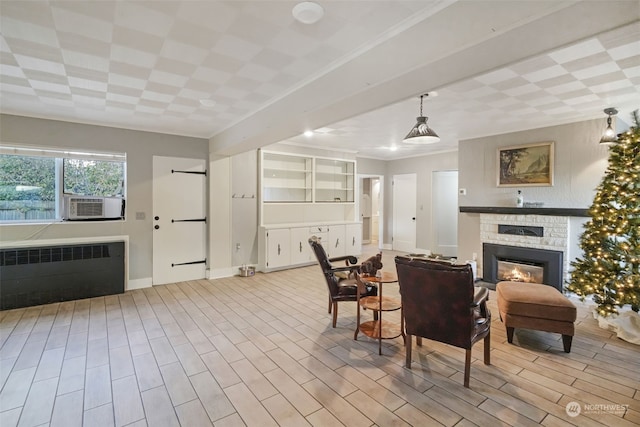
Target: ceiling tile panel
182 52
83 60
127 55
237 48
168 78
577 51
74 43
141 17
82 25
76 82
36 64
11 71
597 70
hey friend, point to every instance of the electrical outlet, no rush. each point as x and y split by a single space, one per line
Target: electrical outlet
140 216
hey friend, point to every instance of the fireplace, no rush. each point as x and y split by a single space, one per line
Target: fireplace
502 262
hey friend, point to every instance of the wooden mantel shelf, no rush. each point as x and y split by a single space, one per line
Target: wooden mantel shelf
525 211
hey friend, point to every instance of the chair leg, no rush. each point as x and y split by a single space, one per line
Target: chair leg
407 346
510 334
419 341
330 304
566 343
487 349
335 313
467 367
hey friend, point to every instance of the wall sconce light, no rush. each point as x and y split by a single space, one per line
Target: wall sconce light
609 137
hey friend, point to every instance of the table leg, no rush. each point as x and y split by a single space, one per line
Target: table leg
380 317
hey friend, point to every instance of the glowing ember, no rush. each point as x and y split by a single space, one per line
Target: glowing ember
517 272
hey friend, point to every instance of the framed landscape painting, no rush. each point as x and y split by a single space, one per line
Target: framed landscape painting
526 165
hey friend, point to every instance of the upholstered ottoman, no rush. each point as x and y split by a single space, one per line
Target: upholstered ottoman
538 307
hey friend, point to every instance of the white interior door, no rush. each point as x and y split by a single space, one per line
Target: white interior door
404 212
445 212
179 219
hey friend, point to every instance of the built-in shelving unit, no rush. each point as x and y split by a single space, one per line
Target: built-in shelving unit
334 181
286 178
303 196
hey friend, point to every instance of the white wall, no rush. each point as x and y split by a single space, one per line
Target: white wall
423 167
580 162
140 148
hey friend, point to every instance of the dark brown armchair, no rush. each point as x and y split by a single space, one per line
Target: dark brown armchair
440 303
342 285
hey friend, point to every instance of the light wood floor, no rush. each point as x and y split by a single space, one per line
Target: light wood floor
260 351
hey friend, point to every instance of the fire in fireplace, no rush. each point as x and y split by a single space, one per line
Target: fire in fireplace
544 266
520 272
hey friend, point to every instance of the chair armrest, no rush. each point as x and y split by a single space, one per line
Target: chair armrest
349 268
480 296
350 259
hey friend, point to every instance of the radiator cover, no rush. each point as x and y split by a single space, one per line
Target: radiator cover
42 275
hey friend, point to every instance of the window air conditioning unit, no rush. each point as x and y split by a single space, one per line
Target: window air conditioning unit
91 207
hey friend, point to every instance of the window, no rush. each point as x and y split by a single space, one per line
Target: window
34 181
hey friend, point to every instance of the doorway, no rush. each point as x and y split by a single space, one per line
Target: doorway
370 211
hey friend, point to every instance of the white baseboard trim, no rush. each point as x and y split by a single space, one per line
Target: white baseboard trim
147 282
220 273
387 246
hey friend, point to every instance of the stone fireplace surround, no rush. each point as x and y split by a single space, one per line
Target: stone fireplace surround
555 236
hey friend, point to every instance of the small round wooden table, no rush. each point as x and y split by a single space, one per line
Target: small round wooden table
380 329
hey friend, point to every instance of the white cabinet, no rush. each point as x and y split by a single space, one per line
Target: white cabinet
353 239
282 246
335 242
300 249
277 248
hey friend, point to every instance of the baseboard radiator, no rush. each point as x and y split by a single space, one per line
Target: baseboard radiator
42 275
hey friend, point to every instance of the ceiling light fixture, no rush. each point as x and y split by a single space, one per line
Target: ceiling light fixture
307 12
609 136
421 133
308 133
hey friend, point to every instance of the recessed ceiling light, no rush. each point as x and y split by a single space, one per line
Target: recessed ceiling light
308 133
307 12
394 147
207 103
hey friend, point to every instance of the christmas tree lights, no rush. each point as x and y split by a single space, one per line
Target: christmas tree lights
610 267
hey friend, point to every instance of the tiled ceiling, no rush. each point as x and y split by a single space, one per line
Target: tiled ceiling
147 64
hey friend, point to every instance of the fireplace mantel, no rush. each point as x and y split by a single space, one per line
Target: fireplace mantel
525 211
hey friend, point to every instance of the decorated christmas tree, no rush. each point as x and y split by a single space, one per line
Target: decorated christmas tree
610 267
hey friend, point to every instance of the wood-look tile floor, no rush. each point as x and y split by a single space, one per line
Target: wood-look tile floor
260 351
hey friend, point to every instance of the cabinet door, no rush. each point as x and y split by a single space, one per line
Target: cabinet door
300 248
335 245
278 248
353 239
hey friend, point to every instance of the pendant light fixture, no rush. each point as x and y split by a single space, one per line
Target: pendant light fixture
609 137
421 133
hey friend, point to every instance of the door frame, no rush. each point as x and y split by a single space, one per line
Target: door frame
361 176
